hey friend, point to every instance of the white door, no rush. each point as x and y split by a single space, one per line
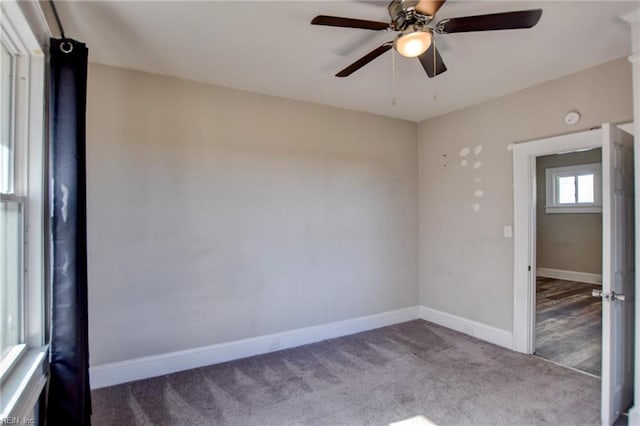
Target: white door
617 272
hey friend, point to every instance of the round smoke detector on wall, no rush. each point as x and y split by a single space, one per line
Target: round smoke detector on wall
572 118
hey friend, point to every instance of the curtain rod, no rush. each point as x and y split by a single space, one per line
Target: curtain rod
55 13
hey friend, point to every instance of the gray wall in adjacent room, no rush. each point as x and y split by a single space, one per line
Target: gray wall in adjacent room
567 241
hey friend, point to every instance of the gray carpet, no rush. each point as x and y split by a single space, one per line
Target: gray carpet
375 378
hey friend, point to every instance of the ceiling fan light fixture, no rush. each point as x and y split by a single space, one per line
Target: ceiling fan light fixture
413 43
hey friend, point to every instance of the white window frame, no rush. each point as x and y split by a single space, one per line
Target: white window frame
18 165
23 381
552 194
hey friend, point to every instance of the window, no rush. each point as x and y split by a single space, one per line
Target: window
22 314
574 189
11 280
12 212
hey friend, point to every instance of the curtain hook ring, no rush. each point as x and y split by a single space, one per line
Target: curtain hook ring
66 49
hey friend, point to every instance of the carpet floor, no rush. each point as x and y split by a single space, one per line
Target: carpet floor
410 370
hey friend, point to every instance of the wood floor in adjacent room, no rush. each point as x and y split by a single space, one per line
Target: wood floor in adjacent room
569 324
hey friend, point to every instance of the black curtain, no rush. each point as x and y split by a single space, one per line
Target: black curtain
69 398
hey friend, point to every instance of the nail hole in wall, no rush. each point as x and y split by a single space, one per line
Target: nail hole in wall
477 164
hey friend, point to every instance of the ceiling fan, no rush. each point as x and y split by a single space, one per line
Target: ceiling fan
412 19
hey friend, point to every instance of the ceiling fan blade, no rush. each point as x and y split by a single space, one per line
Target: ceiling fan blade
432 62
429 7
365 60
496 21
336 21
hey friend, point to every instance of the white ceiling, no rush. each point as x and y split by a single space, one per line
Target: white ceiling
270 47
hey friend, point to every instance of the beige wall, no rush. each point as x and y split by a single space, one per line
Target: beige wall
566 241
466 265
216 214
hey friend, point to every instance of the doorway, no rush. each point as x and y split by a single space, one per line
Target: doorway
618 275
568 328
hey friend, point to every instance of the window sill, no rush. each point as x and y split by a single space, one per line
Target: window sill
573 209
22 388
11 359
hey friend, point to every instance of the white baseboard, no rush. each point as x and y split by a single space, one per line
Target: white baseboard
481 331
634 416
158 365
560 274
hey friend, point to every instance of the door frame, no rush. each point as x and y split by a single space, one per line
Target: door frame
524 225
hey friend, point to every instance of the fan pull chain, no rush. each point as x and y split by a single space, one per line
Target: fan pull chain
393 77
435 70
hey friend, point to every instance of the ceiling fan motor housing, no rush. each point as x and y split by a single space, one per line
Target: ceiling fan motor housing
403 14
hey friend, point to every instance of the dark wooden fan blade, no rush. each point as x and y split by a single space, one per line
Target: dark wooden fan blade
432 62
429 7
365 60
336 21
496 21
